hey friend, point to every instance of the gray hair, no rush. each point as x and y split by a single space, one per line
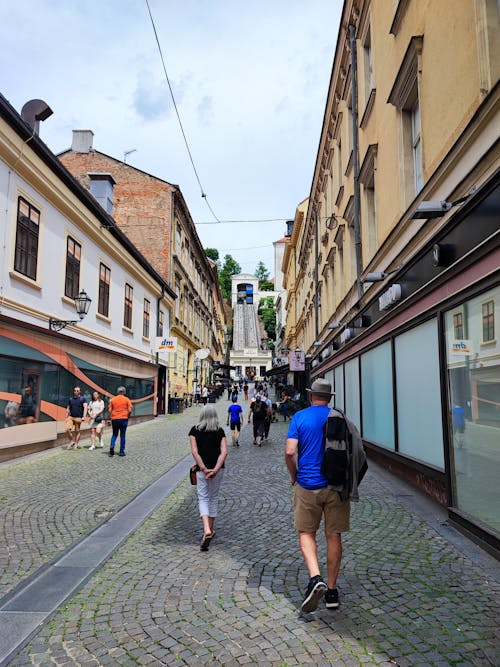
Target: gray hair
209 421
121 390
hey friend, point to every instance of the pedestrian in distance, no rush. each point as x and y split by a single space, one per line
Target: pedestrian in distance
96 414
257 413
209 449
27 408
235 421
269 414
245 391
119 411
312 499
76 413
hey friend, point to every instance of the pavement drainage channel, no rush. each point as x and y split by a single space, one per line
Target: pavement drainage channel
25 609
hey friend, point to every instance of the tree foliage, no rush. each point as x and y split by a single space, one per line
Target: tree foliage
229 268
213 254
267 312
261 273
266 286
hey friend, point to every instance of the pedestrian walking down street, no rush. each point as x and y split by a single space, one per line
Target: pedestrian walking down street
209 449
119 411
235 421
96 414
312 499
269 414
257 412
245 391
76 413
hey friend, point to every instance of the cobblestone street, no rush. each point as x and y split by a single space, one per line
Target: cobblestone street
414 592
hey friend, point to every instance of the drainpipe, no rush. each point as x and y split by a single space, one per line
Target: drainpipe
355 160
316 255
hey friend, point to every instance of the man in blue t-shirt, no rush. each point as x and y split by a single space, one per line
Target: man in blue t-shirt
235 420
312 499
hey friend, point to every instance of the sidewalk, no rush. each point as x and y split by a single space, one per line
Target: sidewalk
413 590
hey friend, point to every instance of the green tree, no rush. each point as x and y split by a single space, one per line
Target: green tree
266 286
229 268
261 273
267 312
213 254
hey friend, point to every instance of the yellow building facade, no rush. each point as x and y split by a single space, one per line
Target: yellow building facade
392 269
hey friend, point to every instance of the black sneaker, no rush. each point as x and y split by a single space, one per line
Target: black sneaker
315 591
332 598
111 452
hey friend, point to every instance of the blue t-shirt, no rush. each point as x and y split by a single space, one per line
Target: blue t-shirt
234 412
307 427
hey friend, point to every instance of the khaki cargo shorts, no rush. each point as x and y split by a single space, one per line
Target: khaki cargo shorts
73 422
309 507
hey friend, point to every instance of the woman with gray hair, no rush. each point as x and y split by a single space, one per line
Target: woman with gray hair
209 450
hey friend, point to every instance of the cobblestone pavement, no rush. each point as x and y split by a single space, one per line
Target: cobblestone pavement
409 596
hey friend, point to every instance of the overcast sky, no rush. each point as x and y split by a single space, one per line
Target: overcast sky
249 77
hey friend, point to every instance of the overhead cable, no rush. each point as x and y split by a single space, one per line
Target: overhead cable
203 194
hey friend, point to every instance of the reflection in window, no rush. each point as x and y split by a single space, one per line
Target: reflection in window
458 326
146 318
488 321
474 411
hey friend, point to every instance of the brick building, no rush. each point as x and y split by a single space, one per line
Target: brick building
155 217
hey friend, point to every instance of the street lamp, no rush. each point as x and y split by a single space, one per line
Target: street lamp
428 210
82 305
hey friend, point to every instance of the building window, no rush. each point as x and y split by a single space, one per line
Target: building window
178 241
368 65
146 317
488 312
73 258
104 281
405 97
27 231
369 213
161 322
458 326
127 306
416 142
102 187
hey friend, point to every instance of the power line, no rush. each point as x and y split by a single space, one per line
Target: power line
178 115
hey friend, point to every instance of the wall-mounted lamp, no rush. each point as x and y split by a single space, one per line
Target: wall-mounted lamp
346 335
82 305
335 325
375 277
428 210
318 343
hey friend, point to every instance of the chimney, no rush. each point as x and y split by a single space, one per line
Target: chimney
33 112
82 141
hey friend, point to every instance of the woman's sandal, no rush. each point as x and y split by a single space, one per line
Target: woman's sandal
206 541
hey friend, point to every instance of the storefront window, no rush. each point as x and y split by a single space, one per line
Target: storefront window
352 401
377 396
473 364
418 393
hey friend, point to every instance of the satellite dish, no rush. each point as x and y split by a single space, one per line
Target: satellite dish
202 354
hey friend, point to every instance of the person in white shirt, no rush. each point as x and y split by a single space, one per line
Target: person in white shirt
96 414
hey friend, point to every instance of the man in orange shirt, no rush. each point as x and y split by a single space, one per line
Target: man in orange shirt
119 410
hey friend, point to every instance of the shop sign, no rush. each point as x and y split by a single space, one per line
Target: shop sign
165 343
461 347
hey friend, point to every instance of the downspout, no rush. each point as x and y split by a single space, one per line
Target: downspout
316 256
355 160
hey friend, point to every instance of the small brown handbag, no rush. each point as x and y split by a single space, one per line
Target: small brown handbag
192 474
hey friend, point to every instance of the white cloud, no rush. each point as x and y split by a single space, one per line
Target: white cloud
249 79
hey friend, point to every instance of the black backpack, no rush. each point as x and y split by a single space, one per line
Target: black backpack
335 465
258 408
